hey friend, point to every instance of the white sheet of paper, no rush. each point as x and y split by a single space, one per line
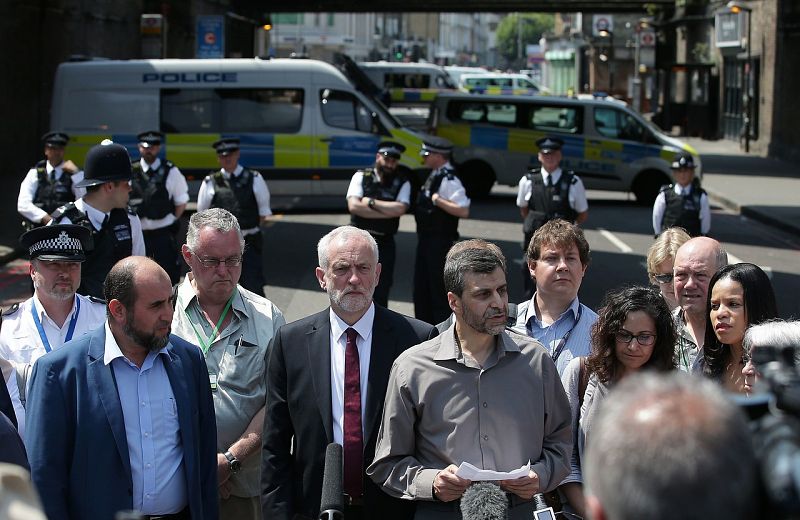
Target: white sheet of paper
470 472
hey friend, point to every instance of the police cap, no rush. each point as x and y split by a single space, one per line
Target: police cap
434 144
549 144
150 138
683 160
55 139
391 149
57 242
106 162
226 145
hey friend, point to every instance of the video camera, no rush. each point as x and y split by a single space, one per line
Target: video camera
774 413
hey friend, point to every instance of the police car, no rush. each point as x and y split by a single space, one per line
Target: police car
608 145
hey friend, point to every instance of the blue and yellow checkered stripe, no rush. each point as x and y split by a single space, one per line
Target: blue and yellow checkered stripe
261 151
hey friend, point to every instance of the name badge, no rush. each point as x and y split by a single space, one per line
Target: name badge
212 379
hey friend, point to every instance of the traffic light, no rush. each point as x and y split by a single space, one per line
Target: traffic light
398 52
267 23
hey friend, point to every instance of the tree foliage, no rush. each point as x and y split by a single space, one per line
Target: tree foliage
532 26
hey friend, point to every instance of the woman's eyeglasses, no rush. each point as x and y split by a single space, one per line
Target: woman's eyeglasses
645 340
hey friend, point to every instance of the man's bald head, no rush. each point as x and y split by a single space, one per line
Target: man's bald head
658 440
696 261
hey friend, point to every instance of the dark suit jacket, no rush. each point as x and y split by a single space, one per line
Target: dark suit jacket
299 405
75 431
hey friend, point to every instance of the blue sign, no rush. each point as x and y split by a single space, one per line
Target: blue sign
210 37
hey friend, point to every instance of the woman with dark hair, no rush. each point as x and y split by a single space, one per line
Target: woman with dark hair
634 331
739 295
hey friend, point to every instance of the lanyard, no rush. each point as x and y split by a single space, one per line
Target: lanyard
204 346
70 330
561 344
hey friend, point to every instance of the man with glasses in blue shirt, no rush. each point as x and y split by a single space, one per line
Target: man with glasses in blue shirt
233 327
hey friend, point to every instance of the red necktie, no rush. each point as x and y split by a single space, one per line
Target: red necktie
353 437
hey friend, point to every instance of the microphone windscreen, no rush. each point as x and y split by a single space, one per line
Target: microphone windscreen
332 493
484 501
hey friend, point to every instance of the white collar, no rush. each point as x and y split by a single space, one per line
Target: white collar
236 172
96 217
49 168
147 167
40 310
362 326
555 174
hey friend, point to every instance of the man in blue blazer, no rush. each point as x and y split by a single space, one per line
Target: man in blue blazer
122 418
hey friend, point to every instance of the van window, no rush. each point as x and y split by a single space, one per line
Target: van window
504 114
231 110
560 119
124 111
344 110
406 80
616 124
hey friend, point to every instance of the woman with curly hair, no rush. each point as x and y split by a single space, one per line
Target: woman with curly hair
634 331
739 295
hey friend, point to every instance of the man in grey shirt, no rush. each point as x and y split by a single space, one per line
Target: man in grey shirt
233 327
475 394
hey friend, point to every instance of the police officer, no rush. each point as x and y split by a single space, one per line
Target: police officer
49 184
440 203
684 203
547 193
159 194
54 314
244 193
376 199
116 230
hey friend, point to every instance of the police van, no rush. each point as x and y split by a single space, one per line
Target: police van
408 83
608 145
302 123
499 83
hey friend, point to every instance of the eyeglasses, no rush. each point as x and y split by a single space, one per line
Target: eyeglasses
233 261
645 340
663 277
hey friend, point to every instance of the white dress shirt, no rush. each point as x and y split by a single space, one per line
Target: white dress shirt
452 189
576 196
356 188
260 190
96 217
338 342
176 186
660 206
29 185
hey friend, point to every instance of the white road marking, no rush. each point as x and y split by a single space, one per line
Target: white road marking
622 246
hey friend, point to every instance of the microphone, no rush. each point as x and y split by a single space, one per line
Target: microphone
332 502
484 501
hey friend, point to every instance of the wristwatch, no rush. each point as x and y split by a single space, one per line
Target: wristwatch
371 203
233 462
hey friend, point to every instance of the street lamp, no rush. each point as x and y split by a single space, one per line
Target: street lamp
737 7
606 56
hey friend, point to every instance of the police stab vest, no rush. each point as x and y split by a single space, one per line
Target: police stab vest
149 195
52 194
375 189
235 194
683 210
109 244
431 219
547 202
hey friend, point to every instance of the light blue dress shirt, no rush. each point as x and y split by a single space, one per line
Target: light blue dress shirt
151 429
579 342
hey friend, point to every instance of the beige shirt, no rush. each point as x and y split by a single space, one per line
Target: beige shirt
442 408
238 359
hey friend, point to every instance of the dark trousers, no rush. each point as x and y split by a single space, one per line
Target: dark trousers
161 246
386 256
430 297
252 277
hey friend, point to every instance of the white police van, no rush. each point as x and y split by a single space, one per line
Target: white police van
302 123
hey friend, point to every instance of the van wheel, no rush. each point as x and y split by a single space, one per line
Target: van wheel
646 186
477 177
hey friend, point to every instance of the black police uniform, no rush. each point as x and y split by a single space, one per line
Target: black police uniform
437 231
150 199
683 210
235 194
52 193
382 230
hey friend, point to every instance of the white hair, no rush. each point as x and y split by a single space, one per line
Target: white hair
340 235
